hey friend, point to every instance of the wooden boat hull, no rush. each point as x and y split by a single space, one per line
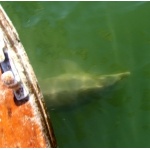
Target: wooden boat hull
22 123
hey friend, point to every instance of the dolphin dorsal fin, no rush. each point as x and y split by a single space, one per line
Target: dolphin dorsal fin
71 67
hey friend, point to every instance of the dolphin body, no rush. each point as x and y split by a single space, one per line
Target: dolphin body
73 89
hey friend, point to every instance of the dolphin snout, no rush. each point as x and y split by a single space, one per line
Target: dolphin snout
124 75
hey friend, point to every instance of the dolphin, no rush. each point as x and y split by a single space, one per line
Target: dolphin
71 89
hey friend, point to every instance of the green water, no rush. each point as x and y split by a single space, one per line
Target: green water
101 38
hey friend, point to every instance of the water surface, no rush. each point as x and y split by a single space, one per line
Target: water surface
100 38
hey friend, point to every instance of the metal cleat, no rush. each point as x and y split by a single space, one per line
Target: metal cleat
2 45
10 77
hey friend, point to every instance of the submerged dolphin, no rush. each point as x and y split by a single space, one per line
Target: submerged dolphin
71 89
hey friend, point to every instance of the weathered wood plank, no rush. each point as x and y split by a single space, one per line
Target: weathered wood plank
22 123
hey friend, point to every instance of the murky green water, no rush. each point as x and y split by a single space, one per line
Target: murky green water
100 38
